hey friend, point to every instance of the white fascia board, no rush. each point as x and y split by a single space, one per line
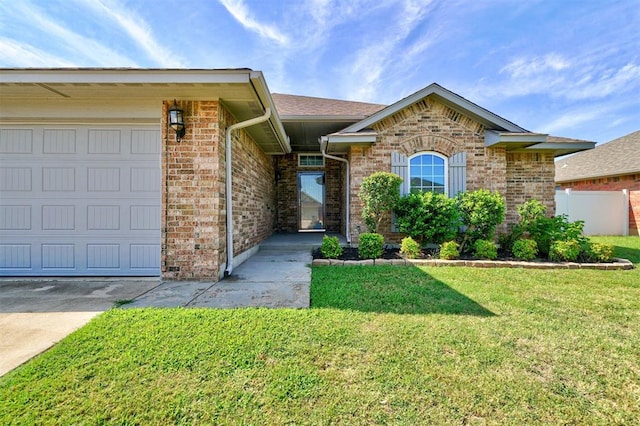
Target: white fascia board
123 76
321 118
351 138
492 138
264 94
453 99
555 146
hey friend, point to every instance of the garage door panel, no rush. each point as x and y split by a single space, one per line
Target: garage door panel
16 141
15 256
15 179
83 201
59 141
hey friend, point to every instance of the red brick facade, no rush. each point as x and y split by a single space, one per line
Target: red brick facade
287 187
265 188
615 183
193 196
432 126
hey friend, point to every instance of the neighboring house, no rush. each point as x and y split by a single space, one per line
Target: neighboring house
612 166
94 181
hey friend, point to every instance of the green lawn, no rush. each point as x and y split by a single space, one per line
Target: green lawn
380 345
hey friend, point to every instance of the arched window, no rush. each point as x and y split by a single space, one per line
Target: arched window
428 172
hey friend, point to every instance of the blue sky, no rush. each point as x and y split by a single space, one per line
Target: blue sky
566 67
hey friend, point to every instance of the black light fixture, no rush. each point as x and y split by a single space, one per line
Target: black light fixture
176 120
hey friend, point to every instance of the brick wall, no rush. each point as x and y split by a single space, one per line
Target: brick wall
287 187
286 169
529 176
615 183
193 199
191 213
429 125
254 190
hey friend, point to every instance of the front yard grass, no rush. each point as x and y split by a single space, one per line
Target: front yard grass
380 345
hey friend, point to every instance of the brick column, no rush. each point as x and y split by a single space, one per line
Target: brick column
191 241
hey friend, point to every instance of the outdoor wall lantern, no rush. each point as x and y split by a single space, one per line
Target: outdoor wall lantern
176 120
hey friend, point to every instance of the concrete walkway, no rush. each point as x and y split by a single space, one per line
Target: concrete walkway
37 313
278 276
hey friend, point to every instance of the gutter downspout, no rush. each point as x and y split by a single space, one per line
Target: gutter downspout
228 183
324 142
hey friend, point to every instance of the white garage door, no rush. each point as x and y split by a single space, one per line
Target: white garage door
80 200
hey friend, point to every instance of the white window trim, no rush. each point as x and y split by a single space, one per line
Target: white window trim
300 155
436 154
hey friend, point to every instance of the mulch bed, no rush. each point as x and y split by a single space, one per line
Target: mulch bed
351 253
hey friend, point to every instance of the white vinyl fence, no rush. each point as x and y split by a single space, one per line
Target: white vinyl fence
603 212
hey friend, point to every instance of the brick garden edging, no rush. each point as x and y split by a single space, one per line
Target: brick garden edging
618 264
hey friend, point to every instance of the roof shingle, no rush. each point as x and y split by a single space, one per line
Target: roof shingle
618 157
293 105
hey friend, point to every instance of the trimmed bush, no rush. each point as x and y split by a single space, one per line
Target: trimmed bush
449 250
531 211
599 252
410 248
564 251
485 249
371 246
427 217
379 194
331 248
481 212
525 249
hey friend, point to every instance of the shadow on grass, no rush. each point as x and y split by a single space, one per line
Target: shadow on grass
631 254
388 289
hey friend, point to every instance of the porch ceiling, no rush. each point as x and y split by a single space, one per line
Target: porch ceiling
304 135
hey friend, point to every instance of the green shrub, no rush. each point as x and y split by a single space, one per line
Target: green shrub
449 250
485 249
427 217
371 246
543 230
379 194
410 248
331 248
525 249
567 251
531 211
599 252
481 212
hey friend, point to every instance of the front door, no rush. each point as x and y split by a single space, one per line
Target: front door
311 201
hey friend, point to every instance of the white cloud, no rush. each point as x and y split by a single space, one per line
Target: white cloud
241 13
626 78
139 31
95 52
393 52
17 54
571 120
528 67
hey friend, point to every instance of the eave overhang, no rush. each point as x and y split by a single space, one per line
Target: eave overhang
244 93
532 142
340 142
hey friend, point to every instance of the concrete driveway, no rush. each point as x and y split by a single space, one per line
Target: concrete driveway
35 314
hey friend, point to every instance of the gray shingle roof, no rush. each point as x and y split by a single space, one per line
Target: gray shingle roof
293 105
619 157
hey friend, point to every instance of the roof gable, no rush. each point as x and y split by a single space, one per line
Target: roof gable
450 99
618 157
